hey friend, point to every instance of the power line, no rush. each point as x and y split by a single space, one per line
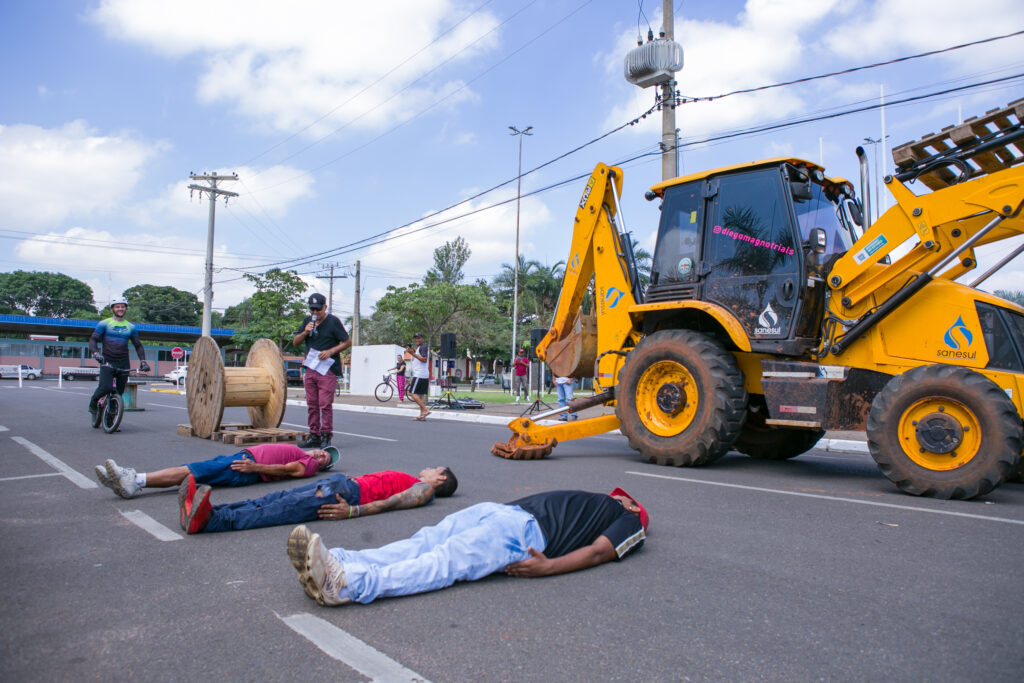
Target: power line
851 70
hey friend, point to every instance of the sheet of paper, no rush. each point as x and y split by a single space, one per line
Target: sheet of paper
313 362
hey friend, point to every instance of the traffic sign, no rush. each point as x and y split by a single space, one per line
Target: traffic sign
177 353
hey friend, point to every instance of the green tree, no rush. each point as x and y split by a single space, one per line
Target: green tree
44 294
276 309
237 316
431 310
162 305
643 260
1016 297
448 261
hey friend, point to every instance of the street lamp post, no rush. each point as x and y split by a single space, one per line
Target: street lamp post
515 261
877 180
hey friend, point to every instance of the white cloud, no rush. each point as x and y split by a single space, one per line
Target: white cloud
48 174
285 65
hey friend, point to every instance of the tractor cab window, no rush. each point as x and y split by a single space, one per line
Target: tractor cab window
820 212
678 247
751 232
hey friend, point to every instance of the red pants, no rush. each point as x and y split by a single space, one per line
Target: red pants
319 400
400 380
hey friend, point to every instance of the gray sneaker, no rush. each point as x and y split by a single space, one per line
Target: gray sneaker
122 479
101 476
298 542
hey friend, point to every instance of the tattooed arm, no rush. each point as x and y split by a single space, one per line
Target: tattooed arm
413 497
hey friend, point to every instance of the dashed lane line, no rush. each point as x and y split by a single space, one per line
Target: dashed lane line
348 649
73 476
32 476
839 499
147 523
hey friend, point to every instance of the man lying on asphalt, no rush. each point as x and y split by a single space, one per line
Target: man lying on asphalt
266 462
540 535
334 497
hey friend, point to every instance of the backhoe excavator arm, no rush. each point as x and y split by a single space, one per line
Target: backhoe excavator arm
599 252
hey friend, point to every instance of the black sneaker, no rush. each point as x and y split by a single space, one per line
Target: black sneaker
312 442
325 441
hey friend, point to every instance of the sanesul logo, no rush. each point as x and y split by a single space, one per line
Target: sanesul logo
768 322
612 297
958 338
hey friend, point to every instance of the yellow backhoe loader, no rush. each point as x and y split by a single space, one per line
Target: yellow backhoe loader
775 312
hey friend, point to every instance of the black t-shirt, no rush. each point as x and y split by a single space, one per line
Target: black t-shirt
574 519
327 334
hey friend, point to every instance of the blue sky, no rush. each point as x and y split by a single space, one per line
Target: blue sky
348 120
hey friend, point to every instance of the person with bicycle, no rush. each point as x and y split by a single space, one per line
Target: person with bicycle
114 333
400 378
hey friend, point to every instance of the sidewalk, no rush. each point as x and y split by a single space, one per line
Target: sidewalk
503 413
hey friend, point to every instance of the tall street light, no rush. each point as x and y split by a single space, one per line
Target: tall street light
515 261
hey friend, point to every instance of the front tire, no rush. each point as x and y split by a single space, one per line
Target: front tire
384 392
944 431
680 398
113 412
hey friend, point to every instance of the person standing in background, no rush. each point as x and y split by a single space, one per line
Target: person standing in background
563 385
521 368
324 333
400 378
419 363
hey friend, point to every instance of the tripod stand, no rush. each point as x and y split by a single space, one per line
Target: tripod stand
535 407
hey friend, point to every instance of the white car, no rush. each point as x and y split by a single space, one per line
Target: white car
27 371
177 375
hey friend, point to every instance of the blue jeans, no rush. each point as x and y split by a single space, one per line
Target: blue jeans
564 396
217 471
464 546
288 506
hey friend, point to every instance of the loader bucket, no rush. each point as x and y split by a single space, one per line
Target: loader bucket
521 449
574 354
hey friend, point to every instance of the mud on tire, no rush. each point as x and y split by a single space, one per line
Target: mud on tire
715 402
967 409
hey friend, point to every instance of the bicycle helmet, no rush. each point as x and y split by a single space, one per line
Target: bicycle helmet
119 300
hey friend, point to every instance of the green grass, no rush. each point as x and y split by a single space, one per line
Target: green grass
496 395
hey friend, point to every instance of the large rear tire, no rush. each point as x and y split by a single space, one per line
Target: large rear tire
765 442
944 431
680 399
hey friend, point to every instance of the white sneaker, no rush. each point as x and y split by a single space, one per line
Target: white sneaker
101 475
122 479
326 573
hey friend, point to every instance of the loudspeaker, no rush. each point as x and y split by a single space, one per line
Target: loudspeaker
447 345
536 337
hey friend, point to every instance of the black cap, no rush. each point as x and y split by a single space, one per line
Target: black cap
417 336
316 301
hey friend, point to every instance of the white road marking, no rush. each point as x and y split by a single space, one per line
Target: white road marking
73 476
360 436
164 405
909 508
4 429
147 523
33 476
348 649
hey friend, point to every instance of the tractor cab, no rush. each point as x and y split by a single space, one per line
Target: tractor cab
758 240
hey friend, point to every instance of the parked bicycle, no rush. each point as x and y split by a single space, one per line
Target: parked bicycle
110 406
386 389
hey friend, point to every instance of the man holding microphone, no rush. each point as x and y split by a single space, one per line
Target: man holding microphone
324 334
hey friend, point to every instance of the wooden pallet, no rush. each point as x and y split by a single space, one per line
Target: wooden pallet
241 434
967 134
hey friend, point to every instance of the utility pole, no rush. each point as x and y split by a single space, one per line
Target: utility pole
332 277
515 263
213 192
669 135
355 311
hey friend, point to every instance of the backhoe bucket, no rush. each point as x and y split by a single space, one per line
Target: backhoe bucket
574 354
519 448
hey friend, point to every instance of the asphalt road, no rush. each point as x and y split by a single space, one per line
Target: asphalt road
809 569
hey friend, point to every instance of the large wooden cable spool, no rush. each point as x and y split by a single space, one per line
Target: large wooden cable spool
260 386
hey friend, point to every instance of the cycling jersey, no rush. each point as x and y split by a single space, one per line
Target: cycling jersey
115 335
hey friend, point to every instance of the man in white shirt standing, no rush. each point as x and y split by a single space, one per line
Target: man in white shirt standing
419 365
